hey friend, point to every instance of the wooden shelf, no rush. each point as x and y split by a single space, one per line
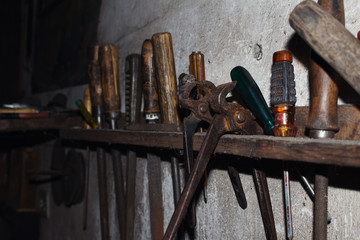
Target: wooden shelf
51 123
320 151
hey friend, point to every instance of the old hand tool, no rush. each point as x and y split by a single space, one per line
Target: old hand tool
329 38
133 95
168 100
97 110
152 113
251 94
190 125
282 101
111 94
322 122
228 117
197 68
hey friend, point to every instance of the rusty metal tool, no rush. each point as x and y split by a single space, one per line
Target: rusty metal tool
133 88
96 95
111 95
152 113
191 123
228 117
251 94
322 122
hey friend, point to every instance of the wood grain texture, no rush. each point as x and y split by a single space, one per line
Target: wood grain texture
166 77
110 78
330 39
151 97
321 151
94 73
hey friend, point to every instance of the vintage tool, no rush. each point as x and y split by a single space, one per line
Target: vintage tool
197 68
309 190
190 125
111 94
96 95
152 114
251 94
168 100
85 113
322 122
228 117
328 38
282 101
133 87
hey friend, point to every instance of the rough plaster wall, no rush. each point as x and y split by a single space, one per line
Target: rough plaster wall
229 33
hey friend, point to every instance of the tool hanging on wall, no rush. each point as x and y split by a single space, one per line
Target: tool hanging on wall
228 117
133 94
197 68
282 101
152 114
111 95
96 95
168 100
322 122
190 124
252 96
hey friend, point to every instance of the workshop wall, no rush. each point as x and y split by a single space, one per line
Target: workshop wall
229 33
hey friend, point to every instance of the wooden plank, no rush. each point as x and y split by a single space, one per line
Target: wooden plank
52 123
322 151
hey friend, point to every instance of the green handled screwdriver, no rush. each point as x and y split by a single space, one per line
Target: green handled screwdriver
252 96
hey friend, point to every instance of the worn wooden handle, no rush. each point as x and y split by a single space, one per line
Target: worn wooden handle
151 97
94 73
166 77
324 90
330 39
110 78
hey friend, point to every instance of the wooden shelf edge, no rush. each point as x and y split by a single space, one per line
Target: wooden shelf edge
320 151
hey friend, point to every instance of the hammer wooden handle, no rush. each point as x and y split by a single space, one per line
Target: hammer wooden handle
330 39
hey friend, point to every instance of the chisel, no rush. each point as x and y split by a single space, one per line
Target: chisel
168 99
322 122
152 113
97 110
111 94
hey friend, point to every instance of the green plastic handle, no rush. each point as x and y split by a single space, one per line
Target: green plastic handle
252 96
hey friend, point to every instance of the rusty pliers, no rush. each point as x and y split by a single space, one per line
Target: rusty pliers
226 117
199 107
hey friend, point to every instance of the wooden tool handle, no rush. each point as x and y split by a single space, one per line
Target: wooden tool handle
166 77
197 65
330 39
151 97
110 76
87 103
95 76
324 90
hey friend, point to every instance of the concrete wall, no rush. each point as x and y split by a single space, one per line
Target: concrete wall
229 33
